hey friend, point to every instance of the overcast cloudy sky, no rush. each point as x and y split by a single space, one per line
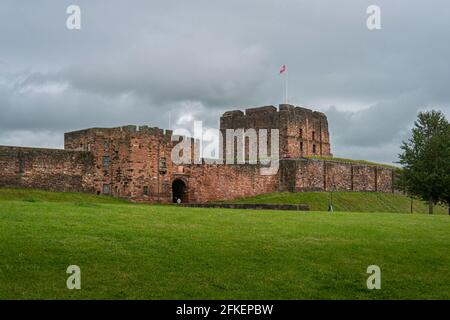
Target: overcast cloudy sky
136 62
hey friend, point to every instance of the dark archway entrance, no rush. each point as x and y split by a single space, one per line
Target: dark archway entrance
179 191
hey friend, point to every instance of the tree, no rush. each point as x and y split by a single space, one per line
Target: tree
426 159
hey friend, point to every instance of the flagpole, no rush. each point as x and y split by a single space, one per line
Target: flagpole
285 70
286 85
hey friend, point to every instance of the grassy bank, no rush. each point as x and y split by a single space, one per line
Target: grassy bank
128 251
347 201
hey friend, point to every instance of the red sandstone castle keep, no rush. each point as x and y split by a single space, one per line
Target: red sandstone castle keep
135 162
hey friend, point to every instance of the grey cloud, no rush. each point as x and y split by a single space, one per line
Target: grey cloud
376 125
151 62
26 138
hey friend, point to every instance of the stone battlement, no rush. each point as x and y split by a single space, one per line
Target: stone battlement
125 129
303 132
83 139
267 111
134 162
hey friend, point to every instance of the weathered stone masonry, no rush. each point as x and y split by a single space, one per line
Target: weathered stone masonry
50 169
302 132
328 175
135 163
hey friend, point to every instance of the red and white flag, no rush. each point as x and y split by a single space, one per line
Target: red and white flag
283 69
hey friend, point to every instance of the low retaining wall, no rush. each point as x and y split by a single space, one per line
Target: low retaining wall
262 206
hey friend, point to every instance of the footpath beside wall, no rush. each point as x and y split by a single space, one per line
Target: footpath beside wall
325 175
48 169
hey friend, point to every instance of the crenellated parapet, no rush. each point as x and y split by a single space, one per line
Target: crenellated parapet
303 132
135 162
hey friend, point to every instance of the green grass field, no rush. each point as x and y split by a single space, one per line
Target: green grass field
347 201
130 251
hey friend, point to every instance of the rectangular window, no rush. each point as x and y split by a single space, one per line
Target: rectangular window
162 166
314 149
301 146
106 189
146 190
106 161
301 133
314 135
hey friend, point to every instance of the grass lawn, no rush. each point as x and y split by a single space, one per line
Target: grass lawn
347 201
130 251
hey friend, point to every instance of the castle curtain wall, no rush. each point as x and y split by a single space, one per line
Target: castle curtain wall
65 170
225 182
135 162
325 175
48 169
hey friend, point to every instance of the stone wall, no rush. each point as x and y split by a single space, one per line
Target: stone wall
48 169
325 175
226 182
135 171
257 206
129 162
303 132
134 162
140 168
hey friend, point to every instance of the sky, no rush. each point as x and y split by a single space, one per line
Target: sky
168 63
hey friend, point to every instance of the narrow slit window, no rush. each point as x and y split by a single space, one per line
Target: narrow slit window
106 161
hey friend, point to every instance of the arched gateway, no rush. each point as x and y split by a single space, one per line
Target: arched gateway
179 191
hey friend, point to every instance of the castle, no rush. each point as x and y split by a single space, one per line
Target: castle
135 162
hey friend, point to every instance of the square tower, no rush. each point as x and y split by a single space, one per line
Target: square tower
302 132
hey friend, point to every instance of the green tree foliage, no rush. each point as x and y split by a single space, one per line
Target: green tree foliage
426 159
